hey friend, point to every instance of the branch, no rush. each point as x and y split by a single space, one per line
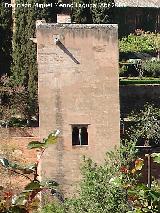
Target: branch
20 174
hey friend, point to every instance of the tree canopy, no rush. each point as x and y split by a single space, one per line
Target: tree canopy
92 11
5 37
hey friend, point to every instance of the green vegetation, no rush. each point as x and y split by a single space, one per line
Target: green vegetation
113 186
25 201
136 53
24 67
146 129
55 207
15 108
23 74
94 14
104 188
151 68
146 42
5 38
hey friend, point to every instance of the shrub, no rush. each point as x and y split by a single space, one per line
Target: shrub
113 186
147 42
146 129
53 207
151 68
104 187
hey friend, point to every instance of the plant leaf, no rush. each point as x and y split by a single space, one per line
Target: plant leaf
154 195
51 139
35 145
33 185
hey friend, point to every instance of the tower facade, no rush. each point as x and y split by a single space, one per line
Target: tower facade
78 94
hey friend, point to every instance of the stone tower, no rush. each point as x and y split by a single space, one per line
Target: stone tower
78 94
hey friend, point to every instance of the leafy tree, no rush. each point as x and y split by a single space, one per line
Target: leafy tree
5 37
97 11
146 129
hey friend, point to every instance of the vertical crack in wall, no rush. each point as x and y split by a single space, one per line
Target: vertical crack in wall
60 144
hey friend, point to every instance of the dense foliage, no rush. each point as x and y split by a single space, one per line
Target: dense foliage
24 66
146 42
103 188
15 108
151 68
5 37
139 55
113 186
97 12
146 127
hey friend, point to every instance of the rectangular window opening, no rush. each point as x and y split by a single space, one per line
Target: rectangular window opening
79 134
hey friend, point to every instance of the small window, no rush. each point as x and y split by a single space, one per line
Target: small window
79 135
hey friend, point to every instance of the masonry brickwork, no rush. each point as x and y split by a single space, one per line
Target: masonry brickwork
78 84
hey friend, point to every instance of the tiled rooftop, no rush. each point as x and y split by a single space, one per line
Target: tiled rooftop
137 3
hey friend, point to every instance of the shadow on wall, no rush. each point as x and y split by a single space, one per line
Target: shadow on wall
65 50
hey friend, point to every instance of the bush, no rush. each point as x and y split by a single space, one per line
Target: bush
53 207
151 68
113 186
146 42
104 187
146 128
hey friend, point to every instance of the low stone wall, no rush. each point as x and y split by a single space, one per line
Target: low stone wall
18 139
13 146
19 132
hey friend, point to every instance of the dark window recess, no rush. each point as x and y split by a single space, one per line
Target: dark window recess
75 136
79 135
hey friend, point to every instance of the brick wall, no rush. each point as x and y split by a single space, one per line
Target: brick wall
78 84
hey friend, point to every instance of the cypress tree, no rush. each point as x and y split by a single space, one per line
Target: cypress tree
93 11
5 37
24 66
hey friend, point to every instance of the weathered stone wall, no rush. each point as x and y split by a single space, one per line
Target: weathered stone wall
78 84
